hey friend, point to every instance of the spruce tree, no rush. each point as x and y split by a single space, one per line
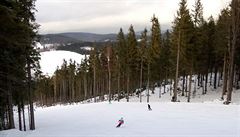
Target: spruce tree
182 41
18 35
143 53
121 51
131 60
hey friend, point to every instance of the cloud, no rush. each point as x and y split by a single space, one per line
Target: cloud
107 16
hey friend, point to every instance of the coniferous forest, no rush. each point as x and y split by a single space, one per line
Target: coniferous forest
208 49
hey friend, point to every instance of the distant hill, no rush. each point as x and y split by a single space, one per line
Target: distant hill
76 37
91 37
56 38
73 37
81 47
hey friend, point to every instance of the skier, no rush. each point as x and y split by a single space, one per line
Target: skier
149 107
120 122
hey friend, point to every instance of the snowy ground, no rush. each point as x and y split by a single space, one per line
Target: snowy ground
205 116
212 96
165 120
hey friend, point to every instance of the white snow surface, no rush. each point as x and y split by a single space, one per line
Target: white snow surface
50 60
166 119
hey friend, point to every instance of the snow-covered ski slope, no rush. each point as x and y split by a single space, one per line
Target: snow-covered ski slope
167 119
204 116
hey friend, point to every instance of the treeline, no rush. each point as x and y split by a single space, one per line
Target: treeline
18 62
195 46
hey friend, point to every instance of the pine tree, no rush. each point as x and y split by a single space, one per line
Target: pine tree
18 36
143 54
108 54
165 59
198 14
235 30
182 40
93 64
154 54
222 39
121 52
155 37
197 41
131 55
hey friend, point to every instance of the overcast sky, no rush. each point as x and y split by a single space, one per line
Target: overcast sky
107 16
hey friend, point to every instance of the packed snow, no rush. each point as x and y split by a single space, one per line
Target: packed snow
50 60
167 119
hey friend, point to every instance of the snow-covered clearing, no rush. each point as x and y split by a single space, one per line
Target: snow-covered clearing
50 60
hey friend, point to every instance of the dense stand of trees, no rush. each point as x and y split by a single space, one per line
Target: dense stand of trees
18 62
208 49
195 46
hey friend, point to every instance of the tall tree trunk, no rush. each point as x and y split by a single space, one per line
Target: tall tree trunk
23 112
55 88
32 120
164 87
183 84
201 81
19 116
211 71
73 88
190 84
206 83
174 99
141 79
148 84
166 82
219 78
128 80
186 87
94 82
10 106
160 83
202 84
109 81
195 87
235 33
235 76
198 79
215 78
85 85
225 72
171 88
118 83
238 81
106 85
160 89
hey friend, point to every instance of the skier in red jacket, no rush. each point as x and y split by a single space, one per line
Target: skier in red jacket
120 122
